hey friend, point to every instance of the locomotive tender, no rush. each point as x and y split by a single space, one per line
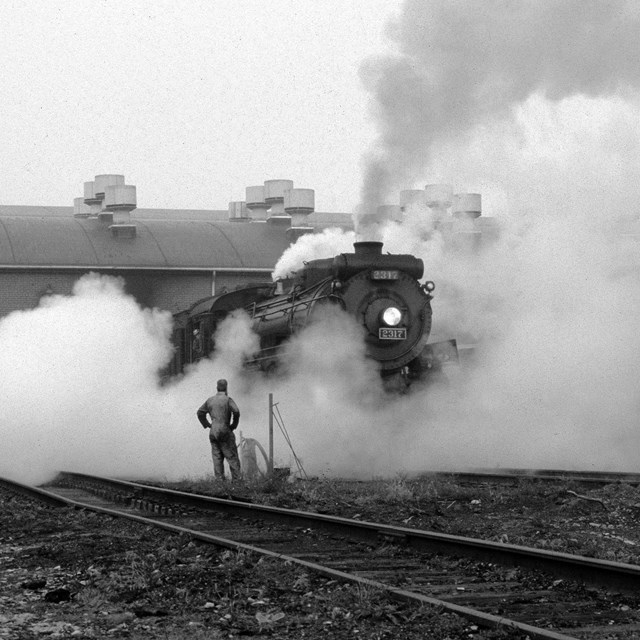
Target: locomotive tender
382 292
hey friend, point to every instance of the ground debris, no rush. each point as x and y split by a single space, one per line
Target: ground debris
88 576
590 499
114 572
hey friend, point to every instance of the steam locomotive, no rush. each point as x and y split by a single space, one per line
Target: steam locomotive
382 292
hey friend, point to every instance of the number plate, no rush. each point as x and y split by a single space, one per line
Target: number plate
392 334
380 274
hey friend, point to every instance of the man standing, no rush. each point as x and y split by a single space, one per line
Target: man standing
225 417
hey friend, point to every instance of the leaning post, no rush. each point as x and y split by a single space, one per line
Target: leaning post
270 464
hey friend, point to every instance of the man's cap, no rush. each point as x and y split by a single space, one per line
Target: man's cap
222 384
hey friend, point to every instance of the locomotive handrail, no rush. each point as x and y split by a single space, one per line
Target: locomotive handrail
288 311
292 296
293 304
266 354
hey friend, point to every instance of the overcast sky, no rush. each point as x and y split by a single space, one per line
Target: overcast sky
195 100
191 100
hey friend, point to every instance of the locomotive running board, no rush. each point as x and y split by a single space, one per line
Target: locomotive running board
441 352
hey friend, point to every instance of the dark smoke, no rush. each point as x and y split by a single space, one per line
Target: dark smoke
460 65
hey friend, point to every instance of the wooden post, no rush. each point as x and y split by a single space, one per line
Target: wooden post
270 469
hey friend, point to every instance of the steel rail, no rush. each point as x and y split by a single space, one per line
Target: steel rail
484 619
544 475
34 492
611 575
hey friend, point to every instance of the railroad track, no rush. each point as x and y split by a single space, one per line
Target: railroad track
538 593
514 476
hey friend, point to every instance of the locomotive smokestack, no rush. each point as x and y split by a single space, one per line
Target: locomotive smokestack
368 248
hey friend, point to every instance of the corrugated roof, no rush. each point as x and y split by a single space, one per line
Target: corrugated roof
76 242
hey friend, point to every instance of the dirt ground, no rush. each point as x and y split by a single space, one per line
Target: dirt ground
74 574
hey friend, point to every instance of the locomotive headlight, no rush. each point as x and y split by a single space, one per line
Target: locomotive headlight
392 316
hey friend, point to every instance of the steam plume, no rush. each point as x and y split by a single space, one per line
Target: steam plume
462 65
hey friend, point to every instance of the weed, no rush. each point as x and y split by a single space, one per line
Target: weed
398 491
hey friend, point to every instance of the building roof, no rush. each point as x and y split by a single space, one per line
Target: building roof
39 236
69 242
317 218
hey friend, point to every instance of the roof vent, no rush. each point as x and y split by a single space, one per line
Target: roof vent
439 198
255 202
274 196
467 205
128 231
95 204
238 212
119 201
90 193
489 227
100 185
299 203
80 209
104 180
439 195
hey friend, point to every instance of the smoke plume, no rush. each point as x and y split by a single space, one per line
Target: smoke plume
535 105
460 66
312 247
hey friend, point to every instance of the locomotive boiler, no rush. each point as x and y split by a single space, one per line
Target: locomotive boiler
382 292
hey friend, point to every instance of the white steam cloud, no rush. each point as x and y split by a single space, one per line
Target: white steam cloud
81 390
78 380
312 247
533 104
